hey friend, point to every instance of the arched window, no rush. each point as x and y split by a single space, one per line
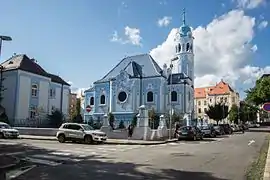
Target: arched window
150 96
102 99
179 47
92 101
34 90
187 48
173 96
191 48
176 48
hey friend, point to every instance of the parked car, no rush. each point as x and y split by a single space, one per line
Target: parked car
6 131
227 128
253 125
208 131
235 128
80 132
219 130
190 133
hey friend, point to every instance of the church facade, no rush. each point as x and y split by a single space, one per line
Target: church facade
139 80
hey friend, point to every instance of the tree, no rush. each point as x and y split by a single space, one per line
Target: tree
77 117
153 119
233 114
4 118
217 112
56 118
260 93
2 88
121 125
247 112
177 118
111 120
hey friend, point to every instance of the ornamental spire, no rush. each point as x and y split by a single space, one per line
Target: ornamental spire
184 16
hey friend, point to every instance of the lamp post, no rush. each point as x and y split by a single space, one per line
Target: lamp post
171 67
2 38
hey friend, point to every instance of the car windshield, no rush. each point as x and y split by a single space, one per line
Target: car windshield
86 127
5 126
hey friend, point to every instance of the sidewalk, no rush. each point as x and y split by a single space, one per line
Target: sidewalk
266 175
109 141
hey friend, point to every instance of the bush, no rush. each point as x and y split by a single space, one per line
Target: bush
56 119
4 118
78 119
121 125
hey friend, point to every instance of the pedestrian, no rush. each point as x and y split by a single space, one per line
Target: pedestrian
130 131
177 126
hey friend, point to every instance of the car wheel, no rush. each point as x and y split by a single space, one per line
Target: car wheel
61 138
2 136
88 139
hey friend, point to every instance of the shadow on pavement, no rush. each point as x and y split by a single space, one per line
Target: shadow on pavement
100 168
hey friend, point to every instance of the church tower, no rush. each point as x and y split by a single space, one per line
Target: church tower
184 49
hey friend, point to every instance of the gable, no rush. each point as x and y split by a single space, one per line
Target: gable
138 66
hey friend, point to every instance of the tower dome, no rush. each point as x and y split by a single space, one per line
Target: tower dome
185 30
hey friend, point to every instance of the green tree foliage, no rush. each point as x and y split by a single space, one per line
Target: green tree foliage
56 119
77 117
134 121
177 118
217 112
90 122
153 119
111 120
260 93
233 114
121 125
4 118
248 112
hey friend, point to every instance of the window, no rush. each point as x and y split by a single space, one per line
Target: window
233 99
199 103
191 48
92 102
52 93
225 99
150 96
210 100
102 99
179 47
199 110
205 103
205 110
33 112
34 90
122 96
173 96
187 48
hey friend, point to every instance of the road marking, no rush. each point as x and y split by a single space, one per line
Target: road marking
60 153
250 142
55 157
42 161
16 173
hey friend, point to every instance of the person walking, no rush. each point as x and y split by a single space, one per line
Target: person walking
130 131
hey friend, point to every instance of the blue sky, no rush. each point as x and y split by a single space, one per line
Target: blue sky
73 38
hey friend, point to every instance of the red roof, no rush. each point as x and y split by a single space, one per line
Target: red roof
219 89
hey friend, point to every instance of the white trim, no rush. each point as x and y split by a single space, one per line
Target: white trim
34 84
122 102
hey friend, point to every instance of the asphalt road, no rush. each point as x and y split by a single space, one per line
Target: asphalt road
222 158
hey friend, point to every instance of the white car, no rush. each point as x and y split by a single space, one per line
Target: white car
6 131
79 132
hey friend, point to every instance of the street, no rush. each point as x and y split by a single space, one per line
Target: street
219 158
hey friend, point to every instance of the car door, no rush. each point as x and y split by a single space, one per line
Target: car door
72 131
78 131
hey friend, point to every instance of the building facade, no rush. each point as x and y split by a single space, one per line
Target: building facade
31 92
221 92
139 80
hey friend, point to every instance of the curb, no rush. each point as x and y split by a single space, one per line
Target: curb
266 175
112 143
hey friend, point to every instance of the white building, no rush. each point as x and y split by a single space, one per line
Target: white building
31 91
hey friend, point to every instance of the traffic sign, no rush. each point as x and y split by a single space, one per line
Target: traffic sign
88 108
266 106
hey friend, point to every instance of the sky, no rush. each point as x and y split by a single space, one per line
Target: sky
82 40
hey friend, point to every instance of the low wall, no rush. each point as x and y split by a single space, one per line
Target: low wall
37 131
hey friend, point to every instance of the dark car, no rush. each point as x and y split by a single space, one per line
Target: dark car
219 130
208 131
227 128
190 133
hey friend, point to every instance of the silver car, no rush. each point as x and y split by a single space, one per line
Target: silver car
6 131
79 132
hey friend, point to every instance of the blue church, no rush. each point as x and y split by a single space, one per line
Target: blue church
139 80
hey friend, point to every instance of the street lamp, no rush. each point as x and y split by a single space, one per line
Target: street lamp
171 68
2 38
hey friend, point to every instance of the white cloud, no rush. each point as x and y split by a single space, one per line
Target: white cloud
132 36
165 21
223 49
250 4
263 25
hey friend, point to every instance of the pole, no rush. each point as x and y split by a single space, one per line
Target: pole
170 131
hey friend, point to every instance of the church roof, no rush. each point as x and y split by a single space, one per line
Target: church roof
23 62
142 65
